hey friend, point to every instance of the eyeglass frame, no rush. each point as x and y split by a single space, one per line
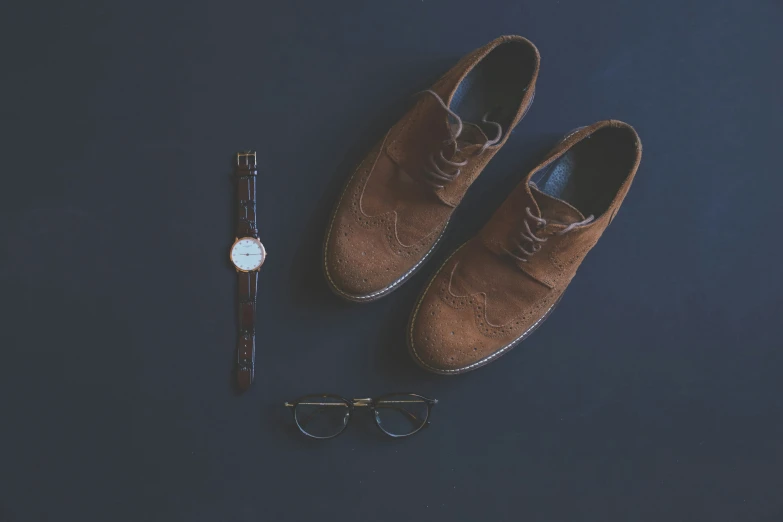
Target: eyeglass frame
352 404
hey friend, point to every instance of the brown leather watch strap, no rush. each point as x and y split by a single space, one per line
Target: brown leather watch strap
246 173
246 347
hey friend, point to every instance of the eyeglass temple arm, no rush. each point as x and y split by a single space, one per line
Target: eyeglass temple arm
385 405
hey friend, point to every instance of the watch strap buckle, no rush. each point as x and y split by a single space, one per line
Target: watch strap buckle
246 159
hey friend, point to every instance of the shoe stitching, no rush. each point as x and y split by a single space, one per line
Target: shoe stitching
386 289
479 301
329 235
480 362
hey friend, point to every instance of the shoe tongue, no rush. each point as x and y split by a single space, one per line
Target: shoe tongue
472 134
553 209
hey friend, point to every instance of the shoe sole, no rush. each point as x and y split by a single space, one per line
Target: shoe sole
478 364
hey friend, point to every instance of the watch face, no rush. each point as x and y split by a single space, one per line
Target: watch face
248 254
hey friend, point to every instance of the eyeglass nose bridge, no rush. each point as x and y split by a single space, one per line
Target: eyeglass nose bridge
362 403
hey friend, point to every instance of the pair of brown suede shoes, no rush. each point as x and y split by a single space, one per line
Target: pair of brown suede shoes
497 288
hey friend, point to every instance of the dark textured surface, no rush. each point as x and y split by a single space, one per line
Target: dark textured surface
653 392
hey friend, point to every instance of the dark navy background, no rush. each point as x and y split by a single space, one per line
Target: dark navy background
654 392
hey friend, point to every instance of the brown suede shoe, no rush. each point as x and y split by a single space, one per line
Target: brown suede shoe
497 288
395 208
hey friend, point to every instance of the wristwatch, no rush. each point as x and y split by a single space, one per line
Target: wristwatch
247 255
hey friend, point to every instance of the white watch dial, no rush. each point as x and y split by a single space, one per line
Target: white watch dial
248 254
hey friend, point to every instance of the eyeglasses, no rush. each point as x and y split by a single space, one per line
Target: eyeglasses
327 416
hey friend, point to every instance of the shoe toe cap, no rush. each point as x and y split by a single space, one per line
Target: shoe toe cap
445 336
359 263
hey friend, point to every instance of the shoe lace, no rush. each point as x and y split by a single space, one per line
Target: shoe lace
528 238
441 170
